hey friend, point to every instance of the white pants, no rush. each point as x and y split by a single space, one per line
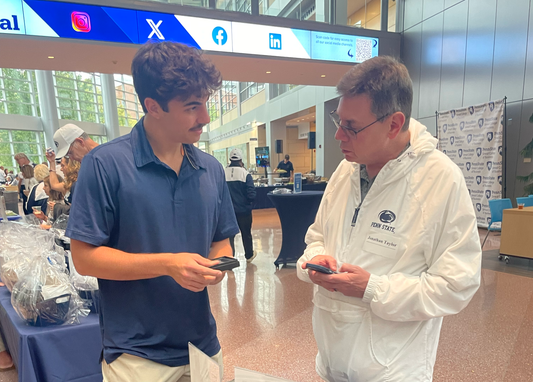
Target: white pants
130 368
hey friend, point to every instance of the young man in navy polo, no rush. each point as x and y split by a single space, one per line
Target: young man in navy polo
150 214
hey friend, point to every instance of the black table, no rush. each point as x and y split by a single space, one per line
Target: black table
53 353
296 213
262 200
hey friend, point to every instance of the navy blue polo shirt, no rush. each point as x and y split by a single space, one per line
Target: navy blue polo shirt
127 199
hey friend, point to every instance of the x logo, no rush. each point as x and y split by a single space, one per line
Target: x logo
155 29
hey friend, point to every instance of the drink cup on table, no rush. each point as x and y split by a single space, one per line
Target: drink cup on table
520 206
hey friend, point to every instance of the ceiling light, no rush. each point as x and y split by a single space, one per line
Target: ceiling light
323 75
269 72
51 57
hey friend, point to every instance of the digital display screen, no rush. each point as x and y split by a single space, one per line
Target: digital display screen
92 22
262 156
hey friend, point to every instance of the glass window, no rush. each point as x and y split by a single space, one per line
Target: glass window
367 14
128 105
99 138
244 6
229 96
13 142
213 106
249 89
191 3
18 92
79 96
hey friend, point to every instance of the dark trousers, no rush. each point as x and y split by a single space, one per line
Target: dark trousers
245 225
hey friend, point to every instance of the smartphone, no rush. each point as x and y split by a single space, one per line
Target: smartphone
320 268
226 263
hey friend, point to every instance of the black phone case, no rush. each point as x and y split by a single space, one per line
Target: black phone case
319 268
226 263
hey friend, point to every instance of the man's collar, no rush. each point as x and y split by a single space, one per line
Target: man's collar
144 154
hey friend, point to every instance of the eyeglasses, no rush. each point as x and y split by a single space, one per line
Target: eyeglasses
348 130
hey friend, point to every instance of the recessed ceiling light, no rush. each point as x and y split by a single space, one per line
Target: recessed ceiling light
51 57
323 75
269 72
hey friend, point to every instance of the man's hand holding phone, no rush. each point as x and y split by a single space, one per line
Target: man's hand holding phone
349 280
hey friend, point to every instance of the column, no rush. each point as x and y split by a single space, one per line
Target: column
384 15
48 105
109 98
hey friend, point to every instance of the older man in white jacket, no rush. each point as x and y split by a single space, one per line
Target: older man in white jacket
397 224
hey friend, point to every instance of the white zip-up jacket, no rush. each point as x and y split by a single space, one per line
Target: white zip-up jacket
416 233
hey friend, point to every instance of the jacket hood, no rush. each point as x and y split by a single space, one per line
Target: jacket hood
422 143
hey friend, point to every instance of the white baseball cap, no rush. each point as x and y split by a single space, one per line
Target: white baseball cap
64 137
235 154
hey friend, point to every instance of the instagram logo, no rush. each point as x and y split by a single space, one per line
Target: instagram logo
81 22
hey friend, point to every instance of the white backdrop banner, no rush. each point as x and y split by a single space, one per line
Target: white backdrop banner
472 138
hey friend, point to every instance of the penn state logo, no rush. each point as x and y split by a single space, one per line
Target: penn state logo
478 207
491 106
462 126
480 122
452 140
489 220
445 127
468 166
469 138
488 193
478 179
471 109
500 150
387 216
452 112
479 150
500 178
56 143
460 151
489 165
444 151
490 136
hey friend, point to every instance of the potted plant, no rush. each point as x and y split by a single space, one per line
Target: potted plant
527 152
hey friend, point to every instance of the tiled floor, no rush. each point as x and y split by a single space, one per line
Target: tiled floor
264 319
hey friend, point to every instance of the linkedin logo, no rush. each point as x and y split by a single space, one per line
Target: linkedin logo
220 36
275 41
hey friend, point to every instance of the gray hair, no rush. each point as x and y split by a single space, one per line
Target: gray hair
20 156
385 81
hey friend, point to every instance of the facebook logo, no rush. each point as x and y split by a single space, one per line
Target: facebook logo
275 41
220 37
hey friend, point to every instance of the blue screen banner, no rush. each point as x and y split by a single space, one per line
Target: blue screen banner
119 25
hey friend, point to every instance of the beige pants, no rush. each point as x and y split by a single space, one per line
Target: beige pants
130 368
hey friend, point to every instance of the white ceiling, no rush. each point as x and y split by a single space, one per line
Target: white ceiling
25 52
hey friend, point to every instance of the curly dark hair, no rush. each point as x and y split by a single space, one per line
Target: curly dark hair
167 70
385 81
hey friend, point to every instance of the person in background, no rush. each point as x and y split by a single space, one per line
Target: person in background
37 197
242 191
397 223
286 167
73 142
2 176
26 184
152 248
22 160
55 200
70 168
